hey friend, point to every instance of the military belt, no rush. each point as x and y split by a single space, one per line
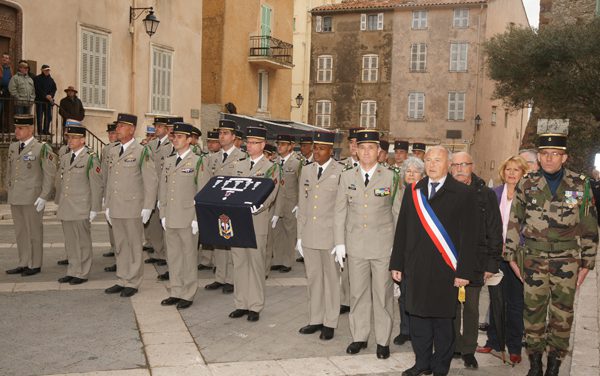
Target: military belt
551 246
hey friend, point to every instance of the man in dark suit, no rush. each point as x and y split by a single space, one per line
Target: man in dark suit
436 210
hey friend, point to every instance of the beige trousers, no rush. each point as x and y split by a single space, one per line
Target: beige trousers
284 241
154 232
224 265
78 244
129 234
182 257
323 282
249 275
29 232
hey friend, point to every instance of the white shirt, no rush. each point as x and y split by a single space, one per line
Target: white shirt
27 142
324 165
164 139
184 154
231 150
370 172
354 162
257 159
127 144
78 151
439 186
284 159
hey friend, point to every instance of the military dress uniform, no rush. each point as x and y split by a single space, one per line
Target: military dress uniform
365 215
80 182
31 168
111 127
550 225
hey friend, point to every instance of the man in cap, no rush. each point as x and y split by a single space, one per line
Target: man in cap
150 134
71 106
382 157
80 200
418 150
318 187
551 209
22 89
270 152
113 141
400 153
306 149
249 263
366 209
179 183
45 89
283 221
352 159
212 141
239 138
131 191
31 167
195 145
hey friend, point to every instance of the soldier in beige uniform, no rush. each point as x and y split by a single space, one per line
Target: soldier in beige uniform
366 210
283 221
30 167
400 153
418 150
225 162
178 185
249 263
130 194
318 188
80 201
113 141
306 149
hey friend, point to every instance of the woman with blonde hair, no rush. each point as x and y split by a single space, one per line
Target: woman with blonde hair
510 172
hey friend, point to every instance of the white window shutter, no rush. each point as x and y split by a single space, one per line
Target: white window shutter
380 21
318 24
363 22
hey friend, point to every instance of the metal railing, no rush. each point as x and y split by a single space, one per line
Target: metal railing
270 47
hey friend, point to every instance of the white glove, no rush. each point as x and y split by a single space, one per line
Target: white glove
93 215
163 222
158 205
274 221
102 201
146 213
295 211
107 214
40 204
254 209
194 227
340 254
299 247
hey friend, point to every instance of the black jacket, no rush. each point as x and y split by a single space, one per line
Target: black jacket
44 85
430 290
71 109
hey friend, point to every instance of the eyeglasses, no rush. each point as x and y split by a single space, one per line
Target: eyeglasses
552 154
254 142
461 165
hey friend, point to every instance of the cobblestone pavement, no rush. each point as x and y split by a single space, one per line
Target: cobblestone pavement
52 329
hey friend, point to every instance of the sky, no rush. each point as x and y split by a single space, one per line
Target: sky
532 7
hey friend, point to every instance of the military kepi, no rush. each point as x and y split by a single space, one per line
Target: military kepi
256 132
76 130
306 140
327 138
285 138
111 127
365 135
553 141
23 120
400 145
183 128
227 124
352 132
418 146
213 135
127 119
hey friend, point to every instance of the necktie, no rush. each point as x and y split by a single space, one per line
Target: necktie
121 151
432 191
21 147
72 157
158 144
251 164
366 179
281 162
319 173
177 161
224 156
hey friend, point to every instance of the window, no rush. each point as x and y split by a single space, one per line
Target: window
416 105
419 19
162 63
93 76
458 57
324 68
493 118
371 21
323 114
461 18
368 114
418 57
370 67
263 90
323 24
456 105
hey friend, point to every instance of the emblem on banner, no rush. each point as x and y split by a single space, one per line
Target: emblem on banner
225 227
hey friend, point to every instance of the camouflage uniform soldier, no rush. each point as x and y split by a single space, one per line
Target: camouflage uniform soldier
551 209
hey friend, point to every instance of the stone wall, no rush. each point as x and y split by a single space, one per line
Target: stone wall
566 11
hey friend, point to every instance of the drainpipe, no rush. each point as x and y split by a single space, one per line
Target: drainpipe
132 83
477 89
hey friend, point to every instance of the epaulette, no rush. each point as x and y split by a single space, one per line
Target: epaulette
347 167
243 159
307 163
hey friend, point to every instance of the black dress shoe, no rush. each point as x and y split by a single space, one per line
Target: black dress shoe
17 270
112 268
285 269
62 262
65 279
253 316
151 260
170 301
204 267
355 347
227 288
108 254
77 281
276 267
344 309
470 361
164 277
128 292
213 286
326 333
30 271
183 304
114 289
310 329
401 339
238 313
161 262
300 259
456 355
383 352
414 371
148 249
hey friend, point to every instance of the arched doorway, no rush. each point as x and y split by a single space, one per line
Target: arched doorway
11 26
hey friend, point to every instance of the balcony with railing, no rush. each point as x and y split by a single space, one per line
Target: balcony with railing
270 52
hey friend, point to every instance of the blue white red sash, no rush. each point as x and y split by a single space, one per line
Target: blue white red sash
434 228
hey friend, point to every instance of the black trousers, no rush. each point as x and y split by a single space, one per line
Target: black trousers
404 318
427 333
467 314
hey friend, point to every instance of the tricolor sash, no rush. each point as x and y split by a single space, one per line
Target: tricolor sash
434 228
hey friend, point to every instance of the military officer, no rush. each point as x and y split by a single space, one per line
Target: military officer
224 163
150 134
212 141
249 263
131 191
283 221
318 187
270 152
550 210
382 157
80 201
366 210
31 167
418 150
352 159
113 141
306 149
400 153
178 185
239 138
195 145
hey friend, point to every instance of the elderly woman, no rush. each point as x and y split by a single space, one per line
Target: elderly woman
511 171
413 170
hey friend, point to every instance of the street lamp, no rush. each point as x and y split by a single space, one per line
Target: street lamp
150 21
477 121
299 101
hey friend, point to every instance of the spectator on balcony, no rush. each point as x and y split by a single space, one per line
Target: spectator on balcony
22 89
45 89
71 106
6 74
